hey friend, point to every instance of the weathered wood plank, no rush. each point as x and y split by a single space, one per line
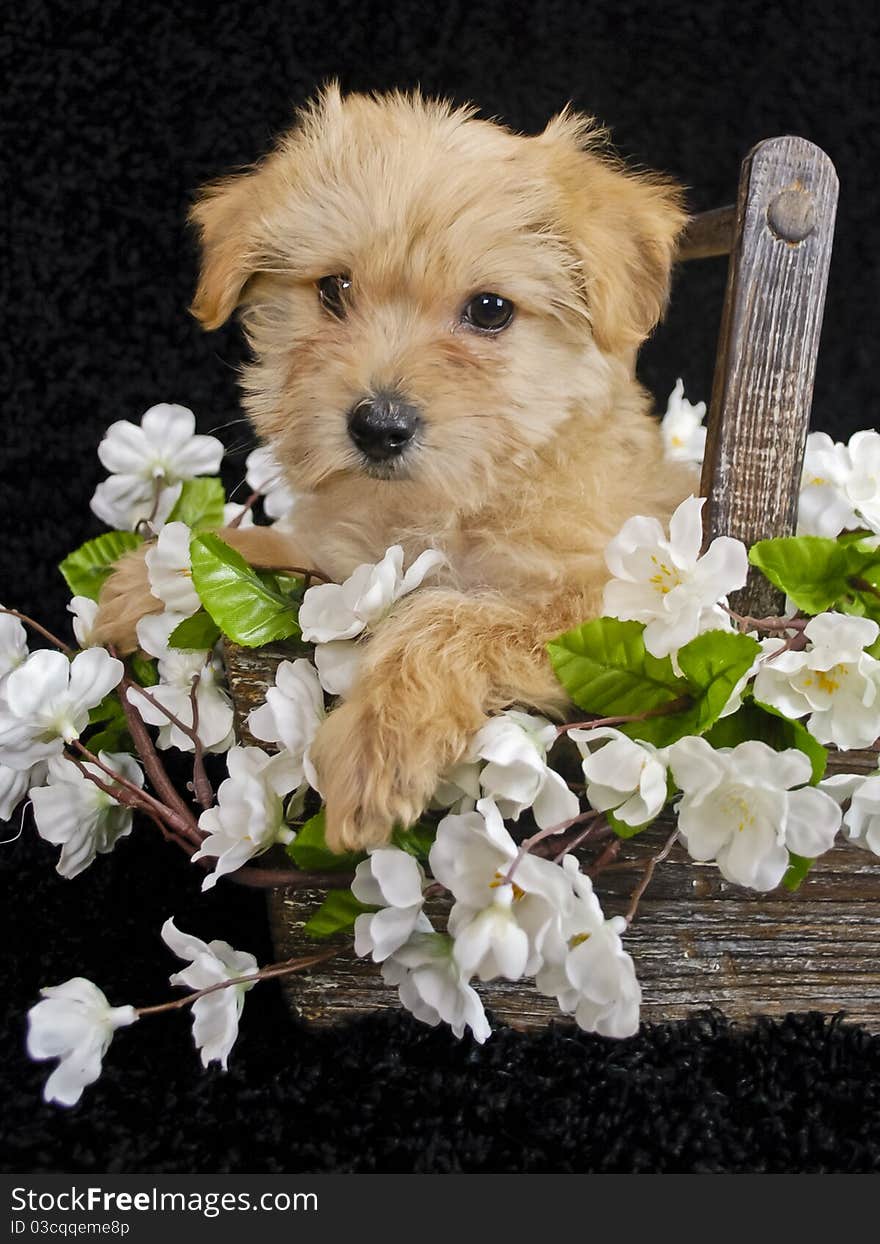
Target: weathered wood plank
697 942
769 340
708 234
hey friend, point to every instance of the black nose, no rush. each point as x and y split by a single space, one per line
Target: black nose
382 426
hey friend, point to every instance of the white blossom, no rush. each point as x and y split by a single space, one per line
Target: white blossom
625 776
665 583
332 611
74 813
85 611
148 463
840 485
459 787
265 475
338 664
432 986
292 714
177 671
75 1024
861 821
516 775
248 817
45 702
169 569
586 968
833 680
824 509
684 437
393 881
233 512
15 784
13 644
216 1016
741 809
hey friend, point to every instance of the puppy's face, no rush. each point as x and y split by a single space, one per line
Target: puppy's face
429 296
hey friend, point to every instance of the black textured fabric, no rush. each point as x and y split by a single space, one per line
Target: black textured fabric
113 114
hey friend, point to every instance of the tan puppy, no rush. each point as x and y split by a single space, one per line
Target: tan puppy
444 317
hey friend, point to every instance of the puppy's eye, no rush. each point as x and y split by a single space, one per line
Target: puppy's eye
332 291
489 312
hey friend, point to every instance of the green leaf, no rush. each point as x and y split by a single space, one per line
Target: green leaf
621 829
113 737
416 841
813 571
755 720
198 632
606 670
798 867
144 670
310 852
336 914
200 504
86 569
109 708
244 605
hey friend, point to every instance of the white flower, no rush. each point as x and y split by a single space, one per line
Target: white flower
666 584
265 475
291 715
13 644
834 680
861 821
45 702
516 775
176 673
391 879
459 787
740 809
75 1024
169 569
471 856
590 974
216 1016
432 986
332 611
684 437
824 509
338 664
158 454
623 776
15 784
249 815
76 814
84 611
840 486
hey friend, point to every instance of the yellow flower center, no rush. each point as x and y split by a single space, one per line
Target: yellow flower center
666 577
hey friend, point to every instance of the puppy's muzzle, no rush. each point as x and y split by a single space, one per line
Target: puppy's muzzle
382 426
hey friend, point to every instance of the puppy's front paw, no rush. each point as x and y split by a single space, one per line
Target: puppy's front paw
125 599
369 779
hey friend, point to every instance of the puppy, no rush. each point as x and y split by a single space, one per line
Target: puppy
443 317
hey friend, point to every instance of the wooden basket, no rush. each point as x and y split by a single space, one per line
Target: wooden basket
698 940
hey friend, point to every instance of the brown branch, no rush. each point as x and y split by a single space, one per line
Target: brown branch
246 505
140 801
278 878
663 710
264 974
605 859
648 874
747 623
155 770
202 788
53 639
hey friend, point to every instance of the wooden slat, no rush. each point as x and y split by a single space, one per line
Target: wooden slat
769 340
708 234
697 942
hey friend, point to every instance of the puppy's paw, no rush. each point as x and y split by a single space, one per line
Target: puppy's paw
370 780
125 599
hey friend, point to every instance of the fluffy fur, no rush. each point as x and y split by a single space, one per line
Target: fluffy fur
536 442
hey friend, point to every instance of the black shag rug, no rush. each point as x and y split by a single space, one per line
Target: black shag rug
113 114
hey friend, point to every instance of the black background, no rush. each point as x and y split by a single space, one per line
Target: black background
113 114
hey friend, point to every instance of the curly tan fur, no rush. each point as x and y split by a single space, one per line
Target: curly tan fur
536 443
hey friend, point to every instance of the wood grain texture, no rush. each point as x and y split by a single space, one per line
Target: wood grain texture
708 234
766 362
697 942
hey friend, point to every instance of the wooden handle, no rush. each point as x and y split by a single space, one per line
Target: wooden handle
766 361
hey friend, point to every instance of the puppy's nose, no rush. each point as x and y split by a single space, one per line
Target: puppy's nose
382 426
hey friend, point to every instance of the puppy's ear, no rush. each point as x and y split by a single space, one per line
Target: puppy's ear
623 224
224 215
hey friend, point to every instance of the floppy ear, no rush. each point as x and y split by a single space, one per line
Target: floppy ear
623 225
224 215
